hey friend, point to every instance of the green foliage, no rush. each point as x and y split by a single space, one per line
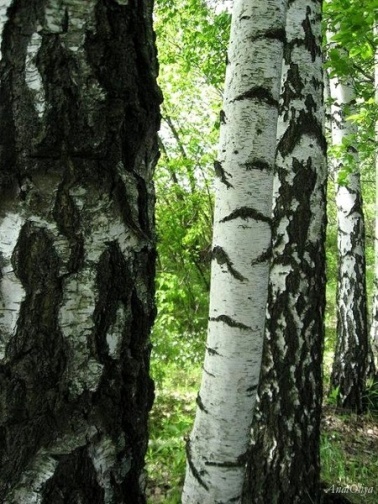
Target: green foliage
371 395
191 31
334 461
351 22
170 423
347 445
192 42
333 397
351 54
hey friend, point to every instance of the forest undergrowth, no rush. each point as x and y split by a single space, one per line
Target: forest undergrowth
349 442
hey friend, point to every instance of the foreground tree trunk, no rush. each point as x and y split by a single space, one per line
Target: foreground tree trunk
79 115
352 346
216 451
284 463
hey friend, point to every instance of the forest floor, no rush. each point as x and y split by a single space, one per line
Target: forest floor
349 455
349 445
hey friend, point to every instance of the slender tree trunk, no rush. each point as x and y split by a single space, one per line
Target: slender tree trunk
352 345
374 322
216 451
284 463
79 115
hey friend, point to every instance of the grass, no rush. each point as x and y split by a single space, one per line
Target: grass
349 443
171 420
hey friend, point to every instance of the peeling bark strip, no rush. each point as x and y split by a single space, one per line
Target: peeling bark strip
242 237
284 462
79 114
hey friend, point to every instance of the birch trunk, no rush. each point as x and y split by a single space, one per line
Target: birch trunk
374 322
216 450
352 346
79 115
284 462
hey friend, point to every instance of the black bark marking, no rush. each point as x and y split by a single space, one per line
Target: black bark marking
115 287
200 404
272 34
247 213
36 264
292 89
263 257
212 351
304 124
253 388
235 499
197 474
208 372
260 94
135 219
31 381
67 217
222 258
225 464
239 462
222 117
222 174
230 322
304 183
310 41
258 164
67 481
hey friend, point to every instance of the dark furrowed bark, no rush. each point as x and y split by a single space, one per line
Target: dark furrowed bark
284 460
79 108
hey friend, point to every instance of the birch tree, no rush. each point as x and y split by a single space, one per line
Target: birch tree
218 444
352 346
79 115
374 322
284 461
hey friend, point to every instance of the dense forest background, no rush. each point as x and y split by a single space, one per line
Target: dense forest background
192 40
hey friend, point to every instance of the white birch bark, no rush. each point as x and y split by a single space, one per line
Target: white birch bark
350 362
219 441
284 461
374 322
